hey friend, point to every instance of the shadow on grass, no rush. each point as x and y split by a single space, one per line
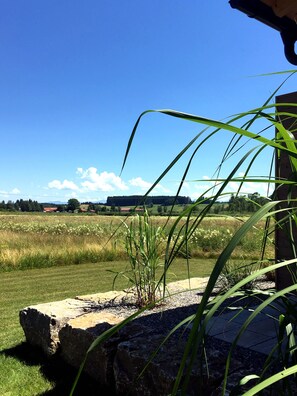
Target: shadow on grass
55 370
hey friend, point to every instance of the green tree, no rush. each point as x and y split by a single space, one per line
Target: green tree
10 206
73 204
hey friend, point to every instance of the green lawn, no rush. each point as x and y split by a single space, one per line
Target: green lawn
23 370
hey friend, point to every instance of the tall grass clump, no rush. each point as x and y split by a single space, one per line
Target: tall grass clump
21 250
143 243
250 134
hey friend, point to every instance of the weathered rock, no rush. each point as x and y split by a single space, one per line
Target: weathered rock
158 378
77 336
41 323
79 333
101 298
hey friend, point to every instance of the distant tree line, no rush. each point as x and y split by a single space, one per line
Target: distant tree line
134 200
113 205
22 205
246 203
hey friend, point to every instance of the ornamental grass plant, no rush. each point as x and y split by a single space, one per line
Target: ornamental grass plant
143 243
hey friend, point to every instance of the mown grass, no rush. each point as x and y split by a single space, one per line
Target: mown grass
23 370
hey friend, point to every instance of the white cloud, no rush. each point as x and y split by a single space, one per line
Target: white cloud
72 194
186 186
104 181
65 185
15 191
89 181
4 193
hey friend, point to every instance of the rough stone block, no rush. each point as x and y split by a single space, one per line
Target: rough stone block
77 336
41 323
159 376
113 296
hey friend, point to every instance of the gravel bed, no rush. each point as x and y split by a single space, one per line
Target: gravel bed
179 304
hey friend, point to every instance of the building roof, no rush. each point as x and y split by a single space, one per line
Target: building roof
278 14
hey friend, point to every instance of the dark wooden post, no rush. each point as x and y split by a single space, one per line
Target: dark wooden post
286 236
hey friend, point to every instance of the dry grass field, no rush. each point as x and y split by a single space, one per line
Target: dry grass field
47 240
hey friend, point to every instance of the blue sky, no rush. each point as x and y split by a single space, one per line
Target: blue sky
74 77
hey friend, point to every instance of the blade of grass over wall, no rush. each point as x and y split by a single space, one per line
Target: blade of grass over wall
210 123
289 140
228 152
186 148
226 126
244 177
253 315
176 238
171 254
189 162
219 125
198 329
215 304
233 145
271 380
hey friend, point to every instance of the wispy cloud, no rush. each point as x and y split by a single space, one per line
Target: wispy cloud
14 191
144 185
210 187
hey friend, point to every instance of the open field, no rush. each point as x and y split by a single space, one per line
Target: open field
23 370
42 240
